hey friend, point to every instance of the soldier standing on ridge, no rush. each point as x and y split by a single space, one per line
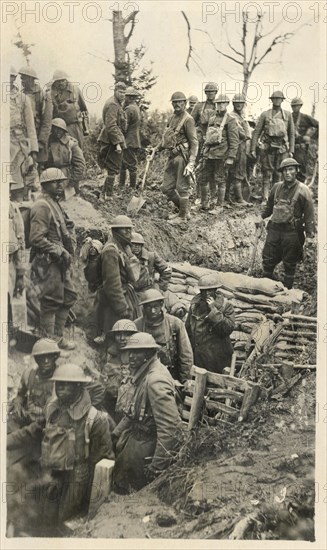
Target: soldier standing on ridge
304 125
132 138
237 172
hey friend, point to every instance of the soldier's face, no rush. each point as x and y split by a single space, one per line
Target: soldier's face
179 106
153 311
136 249
61 84
208 293
12 79
238 107
58 132
296 108
28 82
191 104
121 338
46 363
277 101
120 95
289 174
211 95
221 107
55 189
67 392
137 358
125 232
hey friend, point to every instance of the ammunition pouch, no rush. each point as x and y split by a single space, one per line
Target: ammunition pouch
58 448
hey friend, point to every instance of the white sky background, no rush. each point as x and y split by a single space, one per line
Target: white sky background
161 27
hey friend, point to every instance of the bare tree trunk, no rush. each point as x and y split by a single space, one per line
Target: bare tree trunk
121 64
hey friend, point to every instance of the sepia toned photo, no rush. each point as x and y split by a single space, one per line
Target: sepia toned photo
163 274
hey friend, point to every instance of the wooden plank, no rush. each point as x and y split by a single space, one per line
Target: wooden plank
214 406
224 393
198 397
300 317
250 397
224 380
101 486
186 415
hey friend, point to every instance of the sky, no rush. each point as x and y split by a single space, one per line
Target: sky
77 38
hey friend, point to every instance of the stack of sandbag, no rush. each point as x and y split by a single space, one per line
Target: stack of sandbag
255 301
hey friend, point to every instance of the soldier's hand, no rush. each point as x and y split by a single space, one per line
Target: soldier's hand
189 169
290 155
259 223
20 284
34 155
18 409
179 312
211 302
118 148
66 257
253 154
229 162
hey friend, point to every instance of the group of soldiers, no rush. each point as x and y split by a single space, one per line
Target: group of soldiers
63 422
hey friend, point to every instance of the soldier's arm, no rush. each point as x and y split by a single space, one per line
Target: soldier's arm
39 228
308 212
112 282
222 320
185 352
270 204
291 133
20 234
81 102
161 266
233 138
78 163
100 440
196 113
167 420
257 132
47 114
192 139
30 125
110 121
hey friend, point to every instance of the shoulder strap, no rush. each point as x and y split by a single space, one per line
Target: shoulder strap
181 122
296 193
53 213
277 190
91 415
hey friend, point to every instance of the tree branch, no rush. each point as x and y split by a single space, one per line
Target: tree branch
190 47
230 45
100 57
281 39
130 19
219 51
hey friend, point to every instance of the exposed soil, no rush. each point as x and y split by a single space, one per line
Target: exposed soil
263 467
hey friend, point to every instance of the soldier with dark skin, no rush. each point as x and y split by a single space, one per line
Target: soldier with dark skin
112 137
237 172
304 126
42 107
291 224
181 141
52 248
209 323
219 154
151 430
132 138
76 437
15 247
65 154
275 130
169 332
150 264
69 104
192 101
116 297
23 139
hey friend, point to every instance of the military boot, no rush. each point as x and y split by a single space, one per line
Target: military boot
183 212
238 194
47 322
122 178
265 190
213 193
288 281
60 321
205 205
220 200
174 198
132 180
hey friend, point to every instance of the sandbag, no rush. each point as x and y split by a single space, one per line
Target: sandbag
192 290
191 281
176 281
177 288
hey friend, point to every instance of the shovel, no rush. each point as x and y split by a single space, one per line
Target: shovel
136 203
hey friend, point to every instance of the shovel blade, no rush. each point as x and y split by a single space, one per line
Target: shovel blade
135 204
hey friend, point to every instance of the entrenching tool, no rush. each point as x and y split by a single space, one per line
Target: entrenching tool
136 203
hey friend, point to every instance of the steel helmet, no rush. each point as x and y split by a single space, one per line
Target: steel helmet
137 238
28 71
132 92
13 71
209 281
211 87
59 123
121 221
14 185
59 75
151 295
296 101
120 85
287 162
222 98
278 94
239 98
193 99
124 325
178 96
141 340
52 174
70 373
44 346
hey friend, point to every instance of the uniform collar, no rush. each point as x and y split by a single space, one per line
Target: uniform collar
76 410
142 370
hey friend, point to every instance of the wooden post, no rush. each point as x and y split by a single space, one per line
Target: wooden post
198 396
101 486
295 307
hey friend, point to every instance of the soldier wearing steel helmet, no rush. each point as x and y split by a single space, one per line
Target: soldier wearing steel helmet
132 138
112 137
291 224
275 130
16 247
238 173
181 142
219 154
151 430
65 154
23 139
169 332
192 101
52 243
69 104
42 107
305 126
209 323
150 265
76 437
116 298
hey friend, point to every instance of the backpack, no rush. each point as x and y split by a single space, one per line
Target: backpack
214 134
169 138
283 211
276 127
